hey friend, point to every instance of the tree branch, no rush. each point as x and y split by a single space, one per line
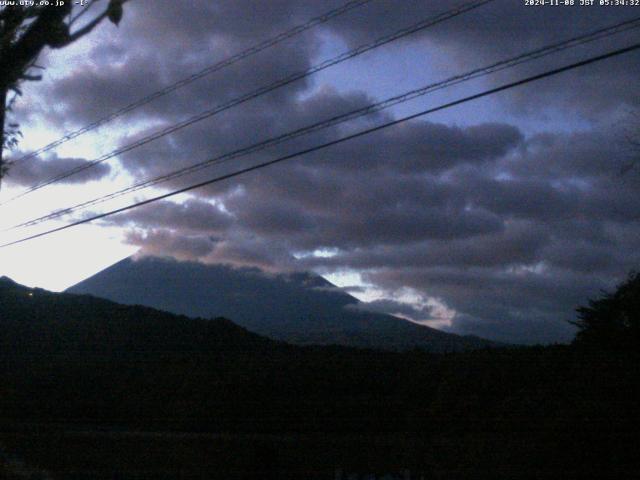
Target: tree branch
93 24
86 29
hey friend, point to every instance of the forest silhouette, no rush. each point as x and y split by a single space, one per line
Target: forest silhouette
217 401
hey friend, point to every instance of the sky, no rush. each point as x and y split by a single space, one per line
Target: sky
495 218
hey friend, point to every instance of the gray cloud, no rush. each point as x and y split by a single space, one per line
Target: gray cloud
162 242
192 215
505 304
511 228
37 170
503 29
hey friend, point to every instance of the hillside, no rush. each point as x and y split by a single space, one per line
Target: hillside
38 321
299 308
93 389
78 358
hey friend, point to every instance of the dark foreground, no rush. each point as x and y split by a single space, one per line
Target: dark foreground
90 389
550 412
152 455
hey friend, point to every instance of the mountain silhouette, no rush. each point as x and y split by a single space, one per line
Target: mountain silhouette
39 321
299 308
90 388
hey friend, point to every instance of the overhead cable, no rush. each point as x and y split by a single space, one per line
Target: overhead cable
431 21
325 145
325 17
351 115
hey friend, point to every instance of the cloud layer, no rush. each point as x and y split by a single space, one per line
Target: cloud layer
499 215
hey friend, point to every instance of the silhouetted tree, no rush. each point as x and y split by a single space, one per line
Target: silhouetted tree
24 32
612 321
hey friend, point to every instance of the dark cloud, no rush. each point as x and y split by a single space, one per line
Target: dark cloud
36 170
516 304
503 218
162 242
192 215
241 249
427 147
166 43
519 244
503 29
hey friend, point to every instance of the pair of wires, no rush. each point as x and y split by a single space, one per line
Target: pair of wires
504 64
399 34
361 133
227 62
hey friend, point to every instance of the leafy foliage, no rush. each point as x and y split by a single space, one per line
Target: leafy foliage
612 321
25 30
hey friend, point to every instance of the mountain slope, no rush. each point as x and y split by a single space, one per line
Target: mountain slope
38 321
299 308
70 359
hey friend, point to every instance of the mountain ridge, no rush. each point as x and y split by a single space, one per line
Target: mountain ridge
34 320
299 308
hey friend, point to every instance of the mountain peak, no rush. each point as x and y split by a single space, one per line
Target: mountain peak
300 307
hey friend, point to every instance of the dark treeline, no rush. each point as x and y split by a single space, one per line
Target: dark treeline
77 363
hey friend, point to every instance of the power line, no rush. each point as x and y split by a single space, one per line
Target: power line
430 21
322 146
325 17
260 91
338 119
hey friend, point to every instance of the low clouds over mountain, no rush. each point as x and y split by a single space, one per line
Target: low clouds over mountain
510 215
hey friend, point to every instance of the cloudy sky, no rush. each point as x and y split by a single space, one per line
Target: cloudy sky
495 218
